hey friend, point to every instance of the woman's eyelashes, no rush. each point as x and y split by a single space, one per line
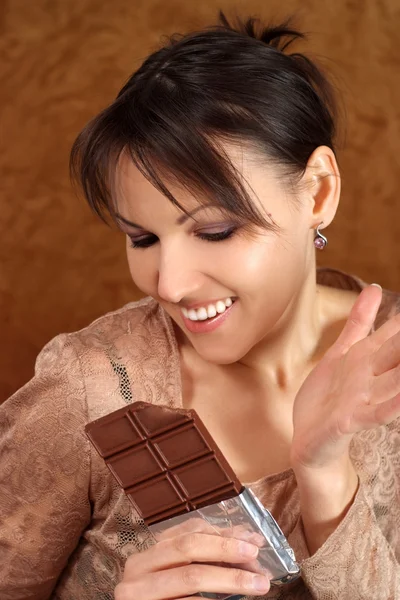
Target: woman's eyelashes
217 236
150 240
143 242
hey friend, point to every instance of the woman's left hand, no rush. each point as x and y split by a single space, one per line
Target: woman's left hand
356 386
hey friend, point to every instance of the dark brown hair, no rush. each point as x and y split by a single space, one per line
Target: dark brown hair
224 83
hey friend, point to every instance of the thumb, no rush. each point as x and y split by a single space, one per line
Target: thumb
361 319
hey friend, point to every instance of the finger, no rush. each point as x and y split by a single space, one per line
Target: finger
373 415
360 321
187 548
192 525
192 598
386 331
191 579
123 591
387 357
385 386
253 566
242 532
200 525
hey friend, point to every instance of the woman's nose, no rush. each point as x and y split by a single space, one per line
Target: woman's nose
178 276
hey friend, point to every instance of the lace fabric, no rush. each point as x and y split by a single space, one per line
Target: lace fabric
66 528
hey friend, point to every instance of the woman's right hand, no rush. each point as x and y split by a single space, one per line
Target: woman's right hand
182 564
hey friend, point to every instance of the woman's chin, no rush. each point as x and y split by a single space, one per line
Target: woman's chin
219 354
222 351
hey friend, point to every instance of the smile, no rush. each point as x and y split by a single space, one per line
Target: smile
207 312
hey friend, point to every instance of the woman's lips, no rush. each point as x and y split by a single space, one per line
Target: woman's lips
208 325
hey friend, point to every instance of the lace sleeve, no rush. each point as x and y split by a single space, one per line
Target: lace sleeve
44 475
358 561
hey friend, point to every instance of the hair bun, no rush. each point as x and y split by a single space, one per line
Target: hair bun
276 36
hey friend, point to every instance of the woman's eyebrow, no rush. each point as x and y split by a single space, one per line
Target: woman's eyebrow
183 218
180 220
126 222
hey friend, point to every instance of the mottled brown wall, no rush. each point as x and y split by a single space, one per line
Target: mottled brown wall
63 60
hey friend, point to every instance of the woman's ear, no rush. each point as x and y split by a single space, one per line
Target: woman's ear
322 178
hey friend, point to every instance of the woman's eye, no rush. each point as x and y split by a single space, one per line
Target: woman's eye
218 235
143 242
150 240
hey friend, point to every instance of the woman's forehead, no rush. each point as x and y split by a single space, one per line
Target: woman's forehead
131 184
134 192
248 161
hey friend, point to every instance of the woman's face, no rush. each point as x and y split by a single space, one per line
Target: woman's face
204 266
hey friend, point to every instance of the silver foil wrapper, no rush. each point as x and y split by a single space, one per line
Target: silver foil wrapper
244 513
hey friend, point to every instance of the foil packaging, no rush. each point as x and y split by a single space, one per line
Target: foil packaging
243 513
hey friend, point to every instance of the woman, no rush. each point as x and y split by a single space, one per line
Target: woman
217 162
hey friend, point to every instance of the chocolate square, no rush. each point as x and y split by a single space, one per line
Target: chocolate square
165 459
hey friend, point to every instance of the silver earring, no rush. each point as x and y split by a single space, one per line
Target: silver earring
320 241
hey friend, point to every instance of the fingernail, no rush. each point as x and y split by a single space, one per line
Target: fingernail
377 285
248 549
260 583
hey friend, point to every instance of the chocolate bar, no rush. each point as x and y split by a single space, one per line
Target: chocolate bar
164 459
172 470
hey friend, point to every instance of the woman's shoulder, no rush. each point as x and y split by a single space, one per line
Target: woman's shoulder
126 354
133 325
131 319
337 278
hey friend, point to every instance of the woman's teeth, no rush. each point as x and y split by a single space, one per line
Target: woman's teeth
203 313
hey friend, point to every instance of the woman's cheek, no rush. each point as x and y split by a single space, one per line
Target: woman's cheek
257 261
143 275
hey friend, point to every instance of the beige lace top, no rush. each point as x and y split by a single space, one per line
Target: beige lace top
66 529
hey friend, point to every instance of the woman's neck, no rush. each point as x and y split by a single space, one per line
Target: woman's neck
283 359
295 341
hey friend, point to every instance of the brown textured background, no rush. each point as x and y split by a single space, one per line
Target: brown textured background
63 60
